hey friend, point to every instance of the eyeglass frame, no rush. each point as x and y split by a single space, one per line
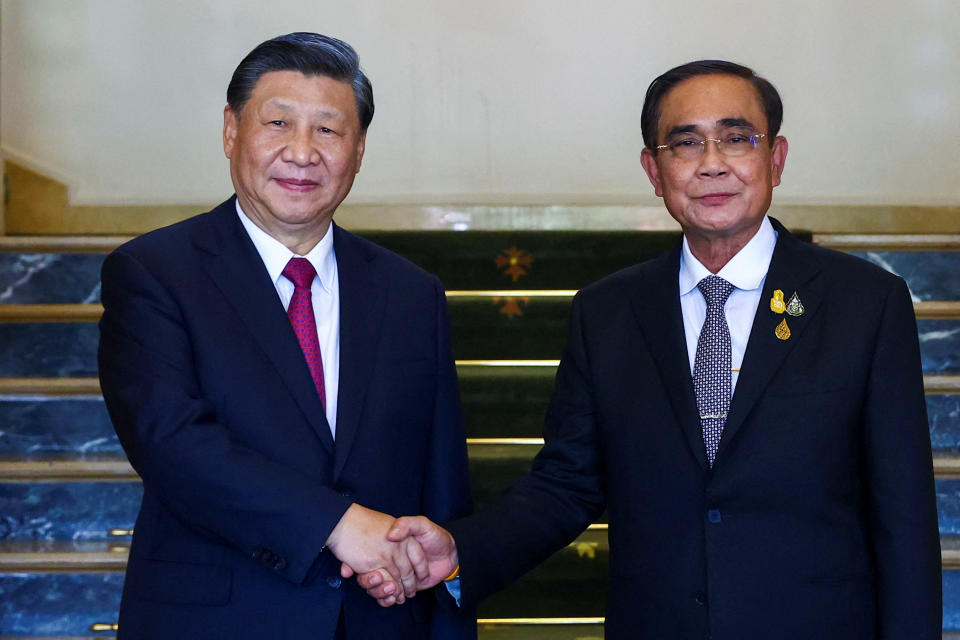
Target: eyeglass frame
703 144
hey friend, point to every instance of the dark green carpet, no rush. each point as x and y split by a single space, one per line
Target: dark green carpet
526 259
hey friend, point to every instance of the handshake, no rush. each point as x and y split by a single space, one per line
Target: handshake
393 558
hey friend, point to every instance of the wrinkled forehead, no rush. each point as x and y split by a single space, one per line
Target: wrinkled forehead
710 103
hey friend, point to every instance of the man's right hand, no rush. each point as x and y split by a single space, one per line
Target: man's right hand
439 553
360 542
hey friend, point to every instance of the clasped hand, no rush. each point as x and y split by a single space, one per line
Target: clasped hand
392 558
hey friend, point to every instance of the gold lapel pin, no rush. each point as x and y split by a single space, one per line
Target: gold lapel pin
794 306
776 302
782 331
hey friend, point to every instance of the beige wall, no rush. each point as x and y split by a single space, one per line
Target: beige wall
494 101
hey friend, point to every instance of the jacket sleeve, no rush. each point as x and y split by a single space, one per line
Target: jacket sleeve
187 459
899 480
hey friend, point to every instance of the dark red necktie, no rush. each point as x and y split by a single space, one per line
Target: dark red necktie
300 272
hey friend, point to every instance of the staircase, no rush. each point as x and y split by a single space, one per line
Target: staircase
68 498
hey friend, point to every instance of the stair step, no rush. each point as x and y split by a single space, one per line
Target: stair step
36 426
66 416
49 277
480 329
74 500
58 604
67 510
572 583
931 275
469 260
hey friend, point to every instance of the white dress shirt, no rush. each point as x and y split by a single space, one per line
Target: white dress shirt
325 295
746 271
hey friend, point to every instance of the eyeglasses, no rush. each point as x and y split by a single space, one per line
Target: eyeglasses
732 145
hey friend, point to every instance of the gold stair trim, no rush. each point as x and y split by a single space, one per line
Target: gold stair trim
926 310
493 441
937 310
933 384
50 312
514 293
502 622
67 470
936 385
889 242
50 386
61 244
114 560
946 467
120 470
508 363
950 558
104 626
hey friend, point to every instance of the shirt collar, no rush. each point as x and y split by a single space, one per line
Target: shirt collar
746 270
276 255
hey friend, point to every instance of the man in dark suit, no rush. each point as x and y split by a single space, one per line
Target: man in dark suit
281 385
802 506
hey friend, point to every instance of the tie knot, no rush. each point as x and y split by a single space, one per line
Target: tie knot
300 272
715 290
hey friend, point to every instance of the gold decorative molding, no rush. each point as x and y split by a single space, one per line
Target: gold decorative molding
507 363
65 562
927 310
521 622
67 470
50 386
115 558
50 312
120 470
519 293
39 205
889 242
946 467
30 198
61 244
933 384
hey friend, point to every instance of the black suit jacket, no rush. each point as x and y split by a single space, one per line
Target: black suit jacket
213 402
818 519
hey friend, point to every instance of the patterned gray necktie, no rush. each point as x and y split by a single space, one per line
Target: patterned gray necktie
712 364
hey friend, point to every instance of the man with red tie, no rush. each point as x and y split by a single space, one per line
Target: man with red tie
283 387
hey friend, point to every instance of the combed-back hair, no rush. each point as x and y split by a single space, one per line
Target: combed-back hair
311 54
650 116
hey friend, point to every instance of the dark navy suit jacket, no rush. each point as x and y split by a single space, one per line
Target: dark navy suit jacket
818 519
213 402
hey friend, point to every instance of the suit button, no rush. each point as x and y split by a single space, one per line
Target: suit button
701 598
334 582
714 516
279 564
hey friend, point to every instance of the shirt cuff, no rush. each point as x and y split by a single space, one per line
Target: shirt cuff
453 588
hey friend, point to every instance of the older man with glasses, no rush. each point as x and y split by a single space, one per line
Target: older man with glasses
748 408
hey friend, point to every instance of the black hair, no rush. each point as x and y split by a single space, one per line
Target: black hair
650 116
311 54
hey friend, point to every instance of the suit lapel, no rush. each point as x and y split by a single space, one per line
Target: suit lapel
656 304
362 297
792 269
237 270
